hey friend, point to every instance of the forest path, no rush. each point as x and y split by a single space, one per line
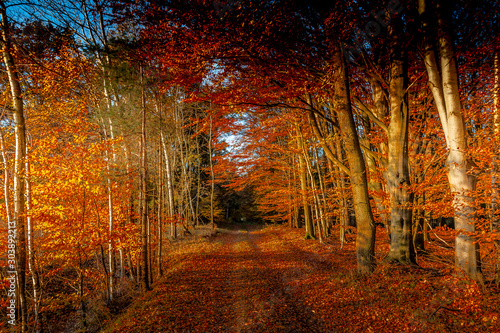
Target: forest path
239 281
272 280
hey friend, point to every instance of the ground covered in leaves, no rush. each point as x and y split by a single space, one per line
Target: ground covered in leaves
272 280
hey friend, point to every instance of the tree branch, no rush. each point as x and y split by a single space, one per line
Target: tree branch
363 108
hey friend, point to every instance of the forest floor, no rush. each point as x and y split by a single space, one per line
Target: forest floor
252 279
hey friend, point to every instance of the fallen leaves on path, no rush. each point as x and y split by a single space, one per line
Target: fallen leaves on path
273 280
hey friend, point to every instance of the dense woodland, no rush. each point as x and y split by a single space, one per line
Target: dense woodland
128 125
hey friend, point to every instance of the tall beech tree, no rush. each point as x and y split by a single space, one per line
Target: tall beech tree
365 238
398 173
444 85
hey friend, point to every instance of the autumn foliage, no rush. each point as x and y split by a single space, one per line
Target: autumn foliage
145 145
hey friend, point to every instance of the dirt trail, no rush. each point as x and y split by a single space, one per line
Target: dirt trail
242 282
272 280
261 283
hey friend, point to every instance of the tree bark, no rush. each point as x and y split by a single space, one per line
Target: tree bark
381 111
374 186
35 278
495 188
446 95
212 174
303 186
341 185
6 179
317 208
365 240
19 167
109 187
170 188
398 174
143 208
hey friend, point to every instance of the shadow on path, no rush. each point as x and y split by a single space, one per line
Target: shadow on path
244 284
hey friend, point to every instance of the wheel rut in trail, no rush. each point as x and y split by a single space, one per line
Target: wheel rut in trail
264 300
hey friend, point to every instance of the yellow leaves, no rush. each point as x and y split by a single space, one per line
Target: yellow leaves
79 138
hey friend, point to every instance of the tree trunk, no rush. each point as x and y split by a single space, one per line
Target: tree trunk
317 208
31 249
83 307
131 267
296 208
398 174
130 209
340 181
365 240
303 184
446 95
111 245
170 187
322 201
495 188
6 179
18 223
160 209
143 208
111 251
198 179
212 174
373 185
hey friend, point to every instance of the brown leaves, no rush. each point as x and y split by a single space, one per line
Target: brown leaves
274 281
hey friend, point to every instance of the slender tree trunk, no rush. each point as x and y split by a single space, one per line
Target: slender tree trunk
106 274
143 208
111 245
19 167
111 251
381 111
131 266
322 201
398 173
103 255
6 179
198 180
446 95
31 248
419 225
373 185
122 262
170 188
341 185
130 214
303 184
317 208
83 307
419 212
212 175
160 209
150 252
495 188
365 240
